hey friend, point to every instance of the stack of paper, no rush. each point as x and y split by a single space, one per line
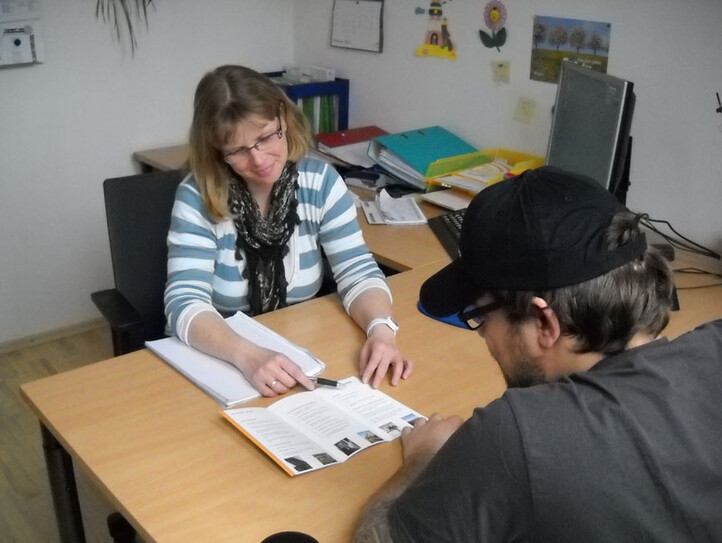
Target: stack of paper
222 380
477 178
475 171
408 155
449 199
350 145
400 169
353 154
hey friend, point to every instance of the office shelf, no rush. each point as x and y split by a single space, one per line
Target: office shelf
338 88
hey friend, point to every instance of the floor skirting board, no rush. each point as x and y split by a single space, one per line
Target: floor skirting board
51 335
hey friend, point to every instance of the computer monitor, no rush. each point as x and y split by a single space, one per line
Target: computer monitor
590 128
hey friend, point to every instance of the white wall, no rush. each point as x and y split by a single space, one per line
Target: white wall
68 124
671 50
76 119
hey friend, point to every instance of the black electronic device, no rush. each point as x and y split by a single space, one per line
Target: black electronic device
589 136
447 228
591 125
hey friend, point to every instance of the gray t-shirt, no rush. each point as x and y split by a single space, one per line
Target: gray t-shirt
628 451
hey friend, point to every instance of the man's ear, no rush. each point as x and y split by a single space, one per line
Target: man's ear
548 327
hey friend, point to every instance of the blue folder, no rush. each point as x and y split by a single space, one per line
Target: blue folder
416 149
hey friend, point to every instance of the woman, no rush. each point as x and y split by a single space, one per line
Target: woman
248 227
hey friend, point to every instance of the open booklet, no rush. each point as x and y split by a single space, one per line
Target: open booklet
313 430
222 380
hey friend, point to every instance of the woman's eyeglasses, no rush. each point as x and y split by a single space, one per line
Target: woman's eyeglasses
473 317
242 154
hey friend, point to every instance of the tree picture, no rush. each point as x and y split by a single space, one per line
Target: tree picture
577 38
556 39
540 33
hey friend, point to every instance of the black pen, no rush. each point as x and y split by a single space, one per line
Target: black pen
324 382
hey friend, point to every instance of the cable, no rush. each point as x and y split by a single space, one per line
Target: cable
684 243
698 271
692 247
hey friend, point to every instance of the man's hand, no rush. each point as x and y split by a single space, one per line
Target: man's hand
420 444
428 436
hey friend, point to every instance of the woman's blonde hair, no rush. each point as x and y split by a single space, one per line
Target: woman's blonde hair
223 98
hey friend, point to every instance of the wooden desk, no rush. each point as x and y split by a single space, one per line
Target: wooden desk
162 158
159 449
161 452
697 305
404 248
397 247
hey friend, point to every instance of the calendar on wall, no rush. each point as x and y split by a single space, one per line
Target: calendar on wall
358 24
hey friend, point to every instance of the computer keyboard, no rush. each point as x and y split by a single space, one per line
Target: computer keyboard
447 228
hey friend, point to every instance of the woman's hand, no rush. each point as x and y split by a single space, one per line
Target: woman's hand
379 354
269 372
272 373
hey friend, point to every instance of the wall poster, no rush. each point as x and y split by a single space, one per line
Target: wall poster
554 39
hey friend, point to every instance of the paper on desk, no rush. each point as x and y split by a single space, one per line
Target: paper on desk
353 153
221 380
387 210
475 179
449 199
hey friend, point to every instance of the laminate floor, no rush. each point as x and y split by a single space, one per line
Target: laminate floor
26 510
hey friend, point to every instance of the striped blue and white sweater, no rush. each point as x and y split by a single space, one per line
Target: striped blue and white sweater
204 275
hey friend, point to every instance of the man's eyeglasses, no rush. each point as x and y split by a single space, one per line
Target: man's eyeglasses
473 317
264 144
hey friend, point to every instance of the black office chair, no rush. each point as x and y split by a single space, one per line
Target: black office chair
138 209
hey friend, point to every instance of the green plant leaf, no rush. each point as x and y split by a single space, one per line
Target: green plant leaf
500 37
129 24
117 11
487 40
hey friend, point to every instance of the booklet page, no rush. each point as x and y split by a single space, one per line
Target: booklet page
311 430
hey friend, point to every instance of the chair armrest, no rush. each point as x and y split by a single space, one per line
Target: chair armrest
121 316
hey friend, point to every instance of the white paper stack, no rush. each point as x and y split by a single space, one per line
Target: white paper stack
222 380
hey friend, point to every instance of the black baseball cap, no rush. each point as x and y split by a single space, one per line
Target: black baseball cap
543 229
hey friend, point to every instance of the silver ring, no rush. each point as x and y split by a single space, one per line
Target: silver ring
273 383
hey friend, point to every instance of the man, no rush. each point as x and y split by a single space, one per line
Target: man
606 433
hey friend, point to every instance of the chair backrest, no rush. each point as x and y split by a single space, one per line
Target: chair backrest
138 209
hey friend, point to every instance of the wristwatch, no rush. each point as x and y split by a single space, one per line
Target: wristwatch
388 321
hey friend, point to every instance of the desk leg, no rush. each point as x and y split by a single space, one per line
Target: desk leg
63 488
